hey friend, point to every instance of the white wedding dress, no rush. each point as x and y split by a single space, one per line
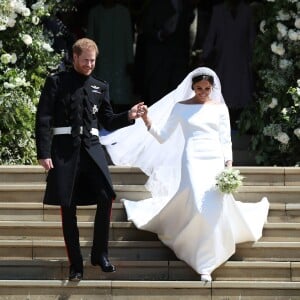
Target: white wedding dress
200 224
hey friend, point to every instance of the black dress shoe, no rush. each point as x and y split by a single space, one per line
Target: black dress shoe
103 262
75 275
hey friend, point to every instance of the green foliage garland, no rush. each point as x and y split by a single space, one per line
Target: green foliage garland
274 119
26 57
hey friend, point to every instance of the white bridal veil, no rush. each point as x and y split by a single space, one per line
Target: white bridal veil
134 146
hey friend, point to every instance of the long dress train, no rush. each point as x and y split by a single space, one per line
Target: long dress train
199 223
189 215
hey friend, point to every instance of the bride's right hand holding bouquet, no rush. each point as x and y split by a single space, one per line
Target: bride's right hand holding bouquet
229 180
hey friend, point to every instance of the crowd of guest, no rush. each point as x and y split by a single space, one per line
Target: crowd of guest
148 46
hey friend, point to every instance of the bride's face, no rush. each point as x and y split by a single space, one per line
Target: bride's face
202 89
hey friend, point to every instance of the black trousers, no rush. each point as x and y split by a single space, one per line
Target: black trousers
88 169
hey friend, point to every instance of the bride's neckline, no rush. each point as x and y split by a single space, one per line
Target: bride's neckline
188 104
205 103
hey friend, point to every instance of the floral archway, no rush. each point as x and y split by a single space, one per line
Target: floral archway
26 57
274 118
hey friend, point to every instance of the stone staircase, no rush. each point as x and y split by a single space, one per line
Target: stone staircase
33 259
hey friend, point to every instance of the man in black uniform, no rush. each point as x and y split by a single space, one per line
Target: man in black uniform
72 107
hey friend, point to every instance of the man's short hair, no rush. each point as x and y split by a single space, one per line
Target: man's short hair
83 44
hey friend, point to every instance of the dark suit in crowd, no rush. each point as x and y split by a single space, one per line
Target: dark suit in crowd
166 38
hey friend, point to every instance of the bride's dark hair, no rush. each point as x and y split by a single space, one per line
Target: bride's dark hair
200 77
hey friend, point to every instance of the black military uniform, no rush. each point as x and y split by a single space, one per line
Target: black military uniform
71 109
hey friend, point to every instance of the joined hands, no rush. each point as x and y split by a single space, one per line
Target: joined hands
140 110
136 111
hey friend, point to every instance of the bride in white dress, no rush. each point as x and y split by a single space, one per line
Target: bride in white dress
199 223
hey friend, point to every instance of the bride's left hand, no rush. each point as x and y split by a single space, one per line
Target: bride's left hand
136 111
228 164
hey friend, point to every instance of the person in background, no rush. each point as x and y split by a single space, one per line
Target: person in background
138 9
199 29
229 45
63 39
166 46
73 107
109 25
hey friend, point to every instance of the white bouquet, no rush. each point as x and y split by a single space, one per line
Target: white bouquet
229 180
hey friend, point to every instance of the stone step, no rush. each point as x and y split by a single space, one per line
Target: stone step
279 176
22 173
126 175
142 290
293 210
36 230
268 250
32 245
279 212
255 290
151 270
275 194
87 213
36 174
22 192
281 232
25 192
121 231
35 193
24 249
36 211
21 211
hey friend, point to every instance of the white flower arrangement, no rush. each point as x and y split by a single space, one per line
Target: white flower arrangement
282 29
297 133
35 20
262 26
229 180
272 130
273 103
27 39
282 137
13 58
26 57
47 47
293 35
274 120
5 58
283 16
278 48
9 11
284 63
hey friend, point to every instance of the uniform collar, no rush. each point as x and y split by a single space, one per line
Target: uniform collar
80 77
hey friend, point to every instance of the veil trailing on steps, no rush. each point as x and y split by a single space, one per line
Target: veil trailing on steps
133 146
